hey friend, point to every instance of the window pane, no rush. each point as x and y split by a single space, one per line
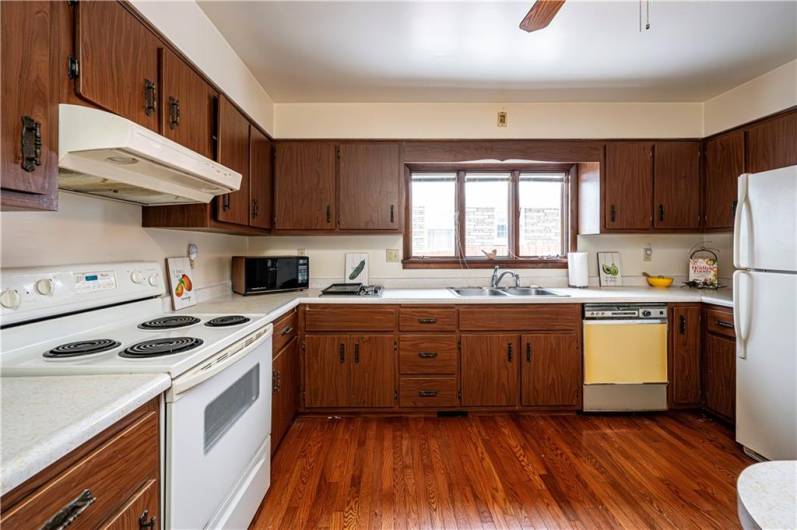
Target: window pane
486 213
433 214
541 222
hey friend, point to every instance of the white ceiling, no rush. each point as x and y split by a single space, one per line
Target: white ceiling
474 51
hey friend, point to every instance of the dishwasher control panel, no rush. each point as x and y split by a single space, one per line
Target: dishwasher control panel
625 311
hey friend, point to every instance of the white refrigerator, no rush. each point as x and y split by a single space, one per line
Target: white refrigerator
765 313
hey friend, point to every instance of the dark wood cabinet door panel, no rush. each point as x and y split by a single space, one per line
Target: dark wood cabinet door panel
551 370
28 108
428 354
143 506
724 163
285 329
369 186
541 317
489 370
772 143
327 370
233 138
350 318
373 373
685 358
427 318
676 185
304 186
118 58
260 179
719 375
428 392
186 105
720 322
629 185
285 392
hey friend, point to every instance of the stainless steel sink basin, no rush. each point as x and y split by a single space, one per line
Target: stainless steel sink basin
529 291
476 291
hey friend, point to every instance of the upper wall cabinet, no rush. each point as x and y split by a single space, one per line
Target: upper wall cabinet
629 185
772 143
117 61
676 185
369 186
261 180
186 105
233 147
724 163
304 186
29 129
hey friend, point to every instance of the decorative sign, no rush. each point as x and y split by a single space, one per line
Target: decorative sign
181 285
356 270
609 269
703 271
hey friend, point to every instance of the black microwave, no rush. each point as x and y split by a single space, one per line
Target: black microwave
269 274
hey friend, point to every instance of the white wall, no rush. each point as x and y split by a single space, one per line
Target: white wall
478 120
188 28
774 91
90 230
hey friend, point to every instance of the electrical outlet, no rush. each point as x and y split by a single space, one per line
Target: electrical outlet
392 255
301 252
647 253
502 119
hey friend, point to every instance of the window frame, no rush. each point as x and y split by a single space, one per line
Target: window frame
569 220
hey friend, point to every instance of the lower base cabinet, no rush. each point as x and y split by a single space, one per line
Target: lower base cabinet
285 392
551 370
685 385
719 356
489 369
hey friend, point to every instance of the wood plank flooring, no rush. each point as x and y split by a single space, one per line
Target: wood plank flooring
505 471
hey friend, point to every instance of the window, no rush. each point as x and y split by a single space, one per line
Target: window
490 216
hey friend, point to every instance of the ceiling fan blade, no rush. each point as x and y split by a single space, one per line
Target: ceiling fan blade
540 14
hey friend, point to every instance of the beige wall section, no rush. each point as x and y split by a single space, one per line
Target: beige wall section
774 91
478 120
86 229
187 26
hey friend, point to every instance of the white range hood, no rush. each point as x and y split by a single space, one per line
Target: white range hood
103 154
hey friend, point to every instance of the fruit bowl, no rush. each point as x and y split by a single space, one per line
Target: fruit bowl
659 281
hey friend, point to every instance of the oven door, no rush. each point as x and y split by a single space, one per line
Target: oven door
218 423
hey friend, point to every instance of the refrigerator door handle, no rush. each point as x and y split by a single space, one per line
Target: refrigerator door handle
741 312
741 202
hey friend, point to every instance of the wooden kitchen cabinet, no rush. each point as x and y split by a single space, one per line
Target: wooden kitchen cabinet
187 105
369 186
117 61
719 362
772 143
136 513
724 162
373 371
304 186
628 184
29 129
489 369
685 388
233 152
676 185
285 391
551 370
260 179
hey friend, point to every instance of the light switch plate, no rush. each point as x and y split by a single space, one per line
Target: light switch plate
392 255
647 253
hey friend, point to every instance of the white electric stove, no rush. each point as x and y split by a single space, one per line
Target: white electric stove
109 318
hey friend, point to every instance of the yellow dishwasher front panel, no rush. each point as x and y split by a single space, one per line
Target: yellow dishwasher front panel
625 352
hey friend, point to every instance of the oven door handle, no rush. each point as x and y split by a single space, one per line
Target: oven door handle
228 356
619 322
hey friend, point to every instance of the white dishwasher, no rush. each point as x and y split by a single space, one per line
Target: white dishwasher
625 357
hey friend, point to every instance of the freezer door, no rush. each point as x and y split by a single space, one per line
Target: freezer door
765 227
766 362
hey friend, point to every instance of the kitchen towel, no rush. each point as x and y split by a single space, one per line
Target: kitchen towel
577 270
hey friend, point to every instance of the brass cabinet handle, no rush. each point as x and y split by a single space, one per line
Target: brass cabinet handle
150 97
287 330
70 512
174 112
427 321
427 354
145 522
724 324
427 393
31 144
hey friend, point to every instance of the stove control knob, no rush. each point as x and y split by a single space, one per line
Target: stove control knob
45 286
645 313
154 280
10 299
136 277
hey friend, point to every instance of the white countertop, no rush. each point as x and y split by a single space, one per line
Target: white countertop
767 495
44 418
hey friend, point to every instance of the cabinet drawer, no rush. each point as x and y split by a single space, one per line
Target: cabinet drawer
548 317
110 474
428 354
350 318
285 329
428 392
720 322
428 319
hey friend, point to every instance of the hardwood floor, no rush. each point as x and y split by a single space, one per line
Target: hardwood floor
505 471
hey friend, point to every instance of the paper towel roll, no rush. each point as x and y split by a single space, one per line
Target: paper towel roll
577 269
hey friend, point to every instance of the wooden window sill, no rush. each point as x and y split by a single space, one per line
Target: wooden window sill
476 263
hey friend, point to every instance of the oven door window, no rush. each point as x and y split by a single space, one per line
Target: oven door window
222 413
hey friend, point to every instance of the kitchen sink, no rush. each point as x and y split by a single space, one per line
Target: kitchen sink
502 291
529 291
476 291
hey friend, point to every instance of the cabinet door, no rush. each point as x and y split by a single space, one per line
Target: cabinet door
772 144
28 109
143 506
118 59
551 370
676 185
369 186
629 185
327 370
685 373
724 163
186 105
260 179
304 186
489 370
719 376
373 371
234 153
285 389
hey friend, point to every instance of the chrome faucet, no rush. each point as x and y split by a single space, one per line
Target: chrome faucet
496 279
